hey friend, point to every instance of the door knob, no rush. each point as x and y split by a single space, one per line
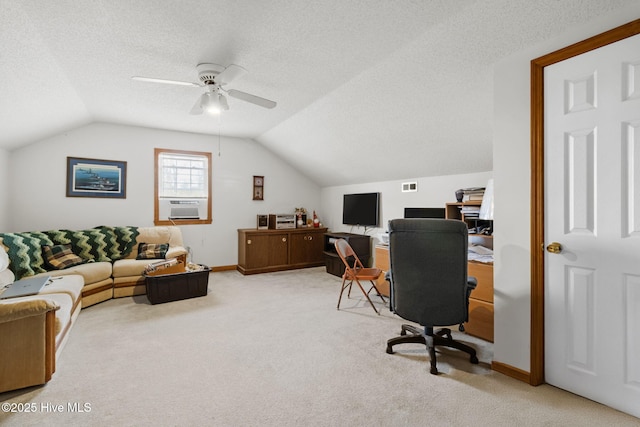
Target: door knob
554 248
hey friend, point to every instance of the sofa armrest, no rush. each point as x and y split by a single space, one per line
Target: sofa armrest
27 334
19 309
177 252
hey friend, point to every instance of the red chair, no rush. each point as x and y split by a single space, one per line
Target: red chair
356 272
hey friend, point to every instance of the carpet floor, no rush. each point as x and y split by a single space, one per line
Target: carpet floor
271 349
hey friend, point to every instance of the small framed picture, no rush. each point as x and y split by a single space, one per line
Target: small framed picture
258 187
96 178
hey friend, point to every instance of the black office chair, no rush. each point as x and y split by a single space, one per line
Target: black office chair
429 283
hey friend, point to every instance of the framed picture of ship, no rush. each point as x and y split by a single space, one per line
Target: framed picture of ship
96 178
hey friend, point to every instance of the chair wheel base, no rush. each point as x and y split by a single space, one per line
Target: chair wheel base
411 334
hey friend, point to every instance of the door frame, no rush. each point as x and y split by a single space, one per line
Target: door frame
536 374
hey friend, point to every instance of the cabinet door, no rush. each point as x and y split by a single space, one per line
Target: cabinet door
306 248
256 251
278 252
265 250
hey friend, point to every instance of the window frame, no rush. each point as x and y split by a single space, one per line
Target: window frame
156 189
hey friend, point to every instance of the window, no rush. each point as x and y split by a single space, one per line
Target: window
182 187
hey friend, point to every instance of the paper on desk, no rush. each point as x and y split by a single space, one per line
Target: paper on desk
480 253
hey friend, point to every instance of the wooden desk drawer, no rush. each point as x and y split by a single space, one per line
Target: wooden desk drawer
382 258
480 320
484 274
382 262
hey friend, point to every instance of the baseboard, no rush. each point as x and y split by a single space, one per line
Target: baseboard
511 371
223 268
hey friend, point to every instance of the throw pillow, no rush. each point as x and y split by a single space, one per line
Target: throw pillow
152 250
60 257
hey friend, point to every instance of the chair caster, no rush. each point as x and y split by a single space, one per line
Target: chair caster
461 327
389 350
434 371
474 360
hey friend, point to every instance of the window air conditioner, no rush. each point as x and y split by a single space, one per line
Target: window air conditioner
182 209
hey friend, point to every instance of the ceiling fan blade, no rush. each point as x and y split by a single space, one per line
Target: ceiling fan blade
262 102
164 81
230 73
197 107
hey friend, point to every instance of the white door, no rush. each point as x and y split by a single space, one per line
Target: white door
592 199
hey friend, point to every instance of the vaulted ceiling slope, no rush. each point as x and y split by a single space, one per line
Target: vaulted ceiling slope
367 90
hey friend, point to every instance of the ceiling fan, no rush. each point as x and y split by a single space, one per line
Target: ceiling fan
213 77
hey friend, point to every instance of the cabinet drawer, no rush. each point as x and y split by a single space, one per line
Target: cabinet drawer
484 274
382 262
480 319
382 258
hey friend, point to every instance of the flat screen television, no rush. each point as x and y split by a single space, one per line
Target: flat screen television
424 212
361 209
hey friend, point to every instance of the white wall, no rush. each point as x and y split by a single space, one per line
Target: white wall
432 192
38 201
4 189
511 162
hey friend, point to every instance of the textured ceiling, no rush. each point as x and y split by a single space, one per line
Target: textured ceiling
367 90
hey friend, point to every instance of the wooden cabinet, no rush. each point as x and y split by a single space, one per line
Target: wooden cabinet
261 251
481 300
382 262
307 247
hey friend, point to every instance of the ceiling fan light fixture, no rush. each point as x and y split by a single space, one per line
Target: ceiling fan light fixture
211 104
223 102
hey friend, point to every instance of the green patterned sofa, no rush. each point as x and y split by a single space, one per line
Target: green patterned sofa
105 256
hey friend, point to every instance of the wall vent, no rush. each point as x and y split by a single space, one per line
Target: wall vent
409 187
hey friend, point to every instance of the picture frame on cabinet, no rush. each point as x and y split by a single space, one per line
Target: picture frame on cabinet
96 178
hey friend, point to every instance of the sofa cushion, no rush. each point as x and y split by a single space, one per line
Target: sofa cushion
59 257
25 252
129 267
91 272
152 250
72 285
